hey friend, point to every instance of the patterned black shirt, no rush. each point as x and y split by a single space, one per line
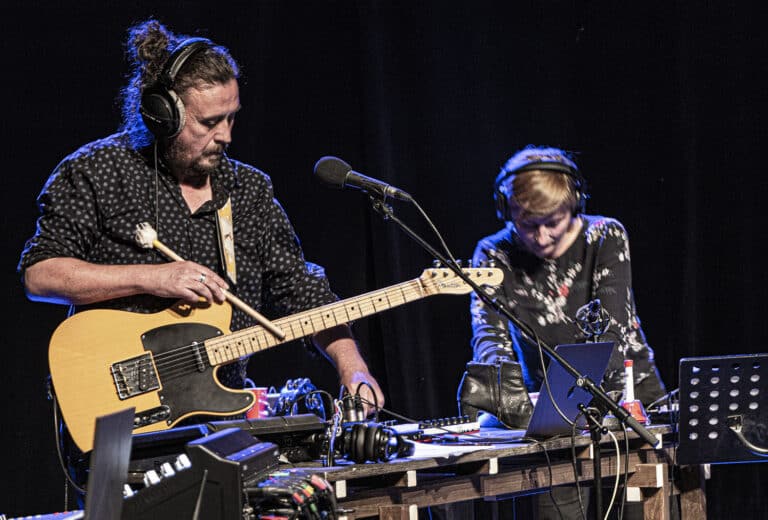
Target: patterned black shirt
94 199
546 294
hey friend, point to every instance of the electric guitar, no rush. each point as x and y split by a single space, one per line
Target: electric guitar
164 364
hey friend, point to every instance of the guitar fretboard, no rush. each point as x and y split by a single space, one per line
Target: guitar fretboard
226 349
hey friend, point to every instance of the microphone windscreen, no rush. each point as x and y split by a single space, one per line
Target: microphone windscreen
332 170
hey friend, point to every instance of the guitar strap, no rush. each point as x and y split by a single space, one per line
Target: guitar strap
226 231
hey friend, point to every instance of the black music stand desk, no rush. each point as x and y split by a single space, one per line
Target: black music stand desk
723 409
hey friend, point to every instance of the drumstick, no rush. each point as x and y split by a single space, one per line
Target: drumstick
146 236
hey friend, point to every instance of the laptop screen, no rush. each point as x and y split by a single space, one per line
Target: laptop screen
591 360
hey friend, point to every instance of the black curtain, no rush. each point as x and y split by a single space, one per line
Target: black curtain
663 101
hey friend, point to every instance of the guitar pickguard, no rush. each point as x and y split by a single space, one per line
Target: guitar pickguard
183 368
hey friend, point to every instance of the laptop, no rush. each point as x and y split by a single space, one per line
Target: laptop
591 360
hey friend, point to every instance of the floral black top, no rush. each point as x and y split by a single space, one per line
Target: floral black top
546 294
95 198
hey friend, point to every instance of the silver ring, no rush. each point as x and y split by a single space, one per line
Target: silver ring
202 278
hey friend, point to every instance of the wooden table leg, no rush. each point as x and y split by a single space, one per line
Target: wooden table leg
693 500
653 481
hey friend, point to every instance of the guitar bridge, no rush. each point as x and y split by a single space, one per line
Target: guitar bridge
134 376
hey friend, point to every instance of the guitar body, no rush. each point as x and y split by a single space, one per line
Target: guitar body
103 361
164 364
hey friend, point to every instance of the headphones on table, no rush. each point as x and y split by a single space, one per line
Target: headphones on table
501 186
371 441
162 110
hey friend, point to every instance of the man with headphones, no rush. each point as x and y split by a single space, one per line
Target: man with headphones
168 166
555 259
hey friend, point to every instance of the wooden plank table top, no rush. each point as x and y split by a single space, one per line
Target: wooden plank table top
397 488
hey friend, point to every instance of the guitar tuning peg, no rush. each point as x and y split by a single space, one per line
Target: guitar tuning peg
459 262
436 264
490 263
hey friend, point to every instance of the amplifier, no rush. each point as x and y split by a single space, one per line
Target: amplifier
297 436
206 482
300 437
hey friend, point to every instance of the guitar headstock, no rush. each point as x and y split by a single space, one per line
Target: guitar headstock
440 280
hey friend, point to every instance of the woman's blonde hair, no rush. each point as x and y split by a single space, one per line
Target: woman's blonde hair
538 181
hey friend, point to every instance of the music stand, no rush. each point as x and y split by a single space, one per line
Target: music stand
723 409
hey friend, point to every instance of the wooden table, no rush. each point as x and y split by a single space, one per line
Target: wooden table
396 489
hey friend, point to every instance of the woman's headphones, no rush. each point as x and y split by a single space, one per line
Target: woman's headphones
161 108
502 186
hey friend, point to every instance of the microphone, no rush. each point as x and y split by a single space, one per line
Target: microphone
594 311
592 318
339 174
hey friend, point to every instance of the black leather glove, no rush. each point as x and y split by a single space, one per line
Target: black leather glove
497 388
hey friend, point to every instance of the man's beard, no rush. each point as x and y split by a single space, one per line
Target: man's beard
200 169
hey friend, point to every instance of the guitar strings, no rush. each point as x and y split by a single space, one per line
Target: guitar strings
176 362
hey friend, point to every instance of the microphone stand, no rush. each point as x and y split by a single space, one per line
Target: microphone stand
583 382
593 416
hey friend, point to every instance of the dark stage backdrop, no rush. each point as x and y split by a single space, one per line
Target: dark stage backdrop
665 101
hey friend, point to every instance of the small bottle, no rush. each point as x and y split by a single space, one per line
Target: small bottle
629 403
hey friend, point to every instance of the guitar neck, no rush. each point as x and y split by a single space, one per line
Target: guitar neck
228 348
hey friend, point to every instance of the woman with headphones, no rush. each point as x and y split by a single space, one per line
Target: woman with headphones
556 259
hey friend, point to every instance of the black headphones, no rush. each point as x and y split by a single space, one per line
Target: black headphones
370 441
161 108
501 188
